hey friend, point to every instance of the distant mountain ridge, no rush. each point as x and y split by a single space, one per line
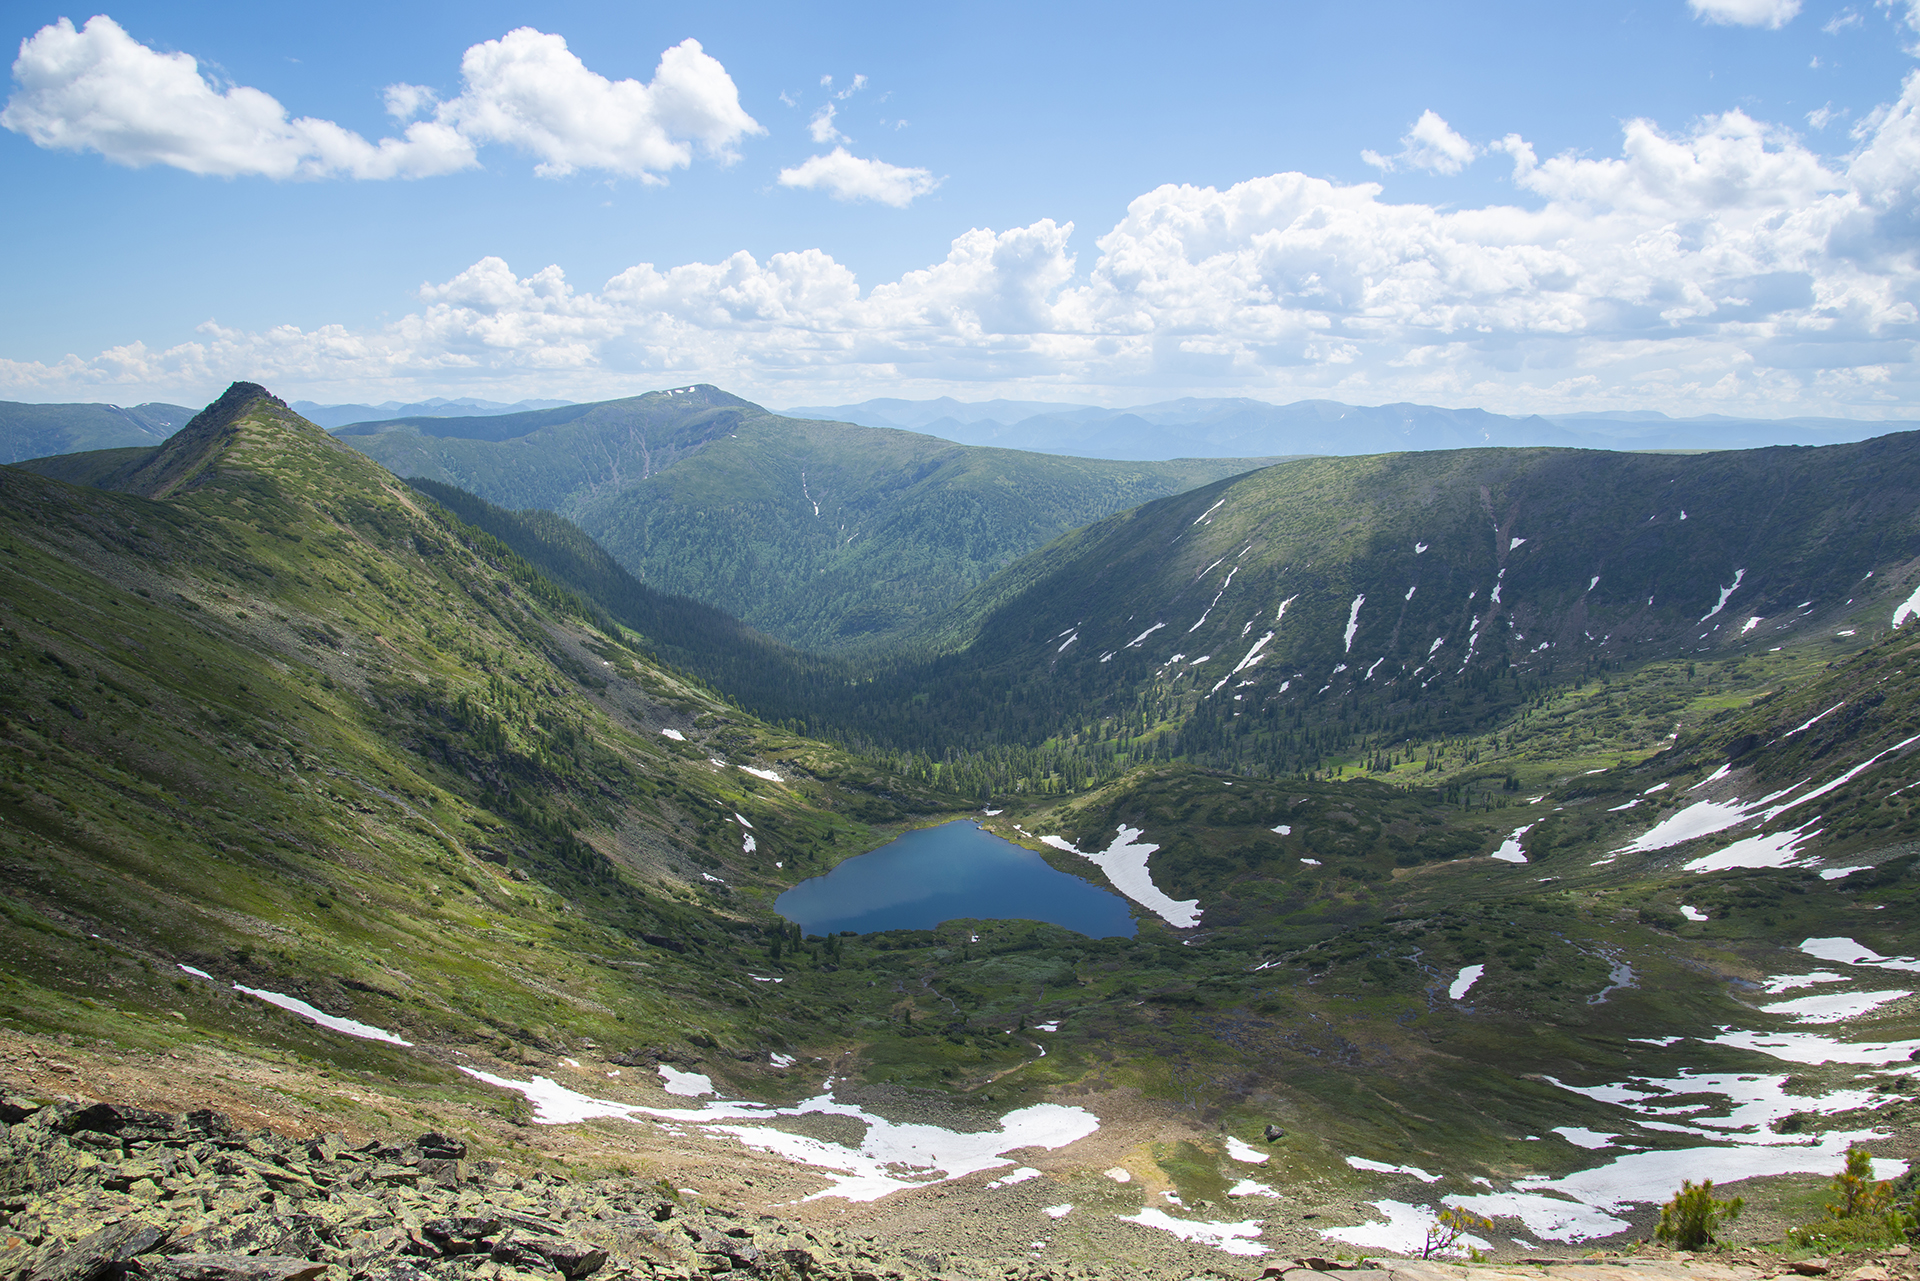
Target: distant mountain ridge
41 431
825 535
1196 427
332 416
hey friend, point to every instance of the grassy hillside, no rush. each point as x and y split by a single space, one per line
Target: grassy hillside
1348 605
826 535
303 730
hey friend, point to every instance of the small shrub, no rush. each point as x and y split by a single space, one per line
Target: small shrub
1452 1224
1690 1220
1863 1214
1859 1194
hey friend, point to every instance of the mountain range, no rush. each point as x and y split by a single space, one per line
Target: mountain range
331 416
826 535
1517 830
1237 427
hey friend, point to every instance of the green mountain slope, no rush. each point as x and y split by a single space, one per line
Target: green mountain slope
38 431
825 535
302 730
1270 619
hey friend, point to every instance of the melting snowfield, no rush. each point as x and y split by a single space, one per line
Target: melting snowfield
891 1156
1761 849
1125 863
1234 1238
1727 1122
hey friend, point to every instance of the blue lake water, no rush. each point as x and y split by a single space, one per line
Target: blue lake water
954 871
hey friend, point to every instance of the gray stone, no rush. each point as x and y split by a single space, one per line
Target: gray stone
235 1267
103 1253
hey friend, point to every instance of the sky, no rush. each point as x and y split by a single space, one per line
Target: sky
1694 206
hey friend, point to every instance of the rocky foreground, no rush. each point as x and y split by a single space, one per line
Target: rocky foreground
102 1192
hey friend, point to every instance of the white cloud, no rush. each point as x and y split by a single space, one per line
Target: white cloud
859 83
528 90
1431 144
405 101
1773 14
821 126
845 176
98 89
1842 20
1821 117
1727 268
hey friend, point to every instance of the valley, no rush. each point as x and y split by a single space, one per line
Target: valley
1516 830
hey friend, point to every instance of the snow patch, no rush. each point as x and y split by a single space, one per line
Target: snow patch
1353 619
1143 635
1510 851
1845 951
767 774
890 1157
687 1084
1245 1152
1464 981
1725 592
1125 864
1816 720
1380 1167
673 734
1232 1238
1832 1007
294 1005
1581 1137
1908 608
1404 1232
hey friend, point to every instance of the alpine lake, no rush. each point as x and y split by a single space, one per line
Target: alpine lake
957 871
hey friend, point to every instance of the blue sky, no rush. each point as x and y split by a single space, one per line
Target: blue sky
1690 205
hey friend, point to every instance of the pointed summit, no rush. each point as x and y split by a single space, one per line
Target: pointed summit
248 430
191 452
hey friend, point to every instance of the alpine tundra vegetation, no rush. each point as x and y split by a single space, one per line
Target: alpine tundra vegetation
1513 837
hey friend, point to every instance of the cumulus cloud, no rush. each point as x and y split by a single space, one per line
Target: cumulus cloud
1431 144
528 90
1746 13
845 176
1724 268
98 89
